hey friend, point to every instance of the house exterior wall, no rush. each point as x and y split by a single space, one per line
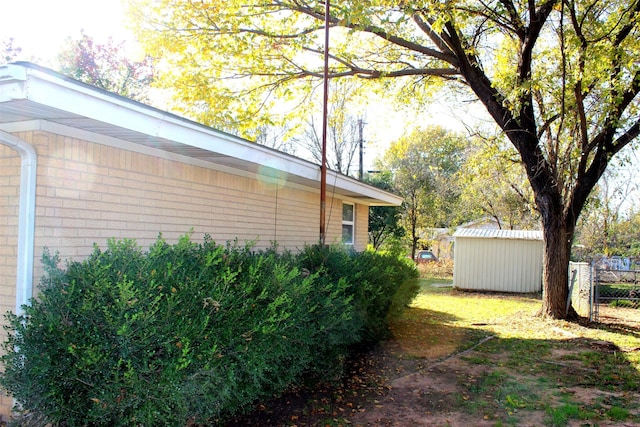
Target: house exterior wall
493 264
89 192
361 227
9 203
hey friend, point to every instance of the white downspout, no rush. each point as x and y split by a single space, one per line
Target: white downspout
26 218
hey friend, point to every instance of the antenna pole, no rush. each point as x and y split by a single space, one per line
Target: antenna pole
323 166
361 146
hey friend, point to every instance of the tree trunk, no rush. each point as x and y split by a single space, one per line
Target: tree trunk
555 274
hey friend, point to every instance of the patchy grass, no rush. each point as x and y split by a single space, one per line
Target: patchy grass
531 362
471 308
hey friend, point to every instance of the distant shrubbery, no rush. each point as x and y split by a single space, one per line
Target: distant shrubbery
442 269
192 332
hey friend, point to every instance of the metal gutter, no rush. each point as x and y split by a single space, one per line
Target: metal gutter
26 218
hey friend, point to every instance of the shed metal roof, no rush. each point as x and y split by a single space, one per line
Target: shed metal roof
498 234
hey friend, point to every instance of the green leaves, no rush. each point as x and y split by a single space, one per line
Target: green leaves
424 166
239 66
494 184
189 331
105 65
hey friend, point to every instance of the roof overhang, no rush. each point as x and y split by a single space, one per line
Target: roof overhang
32 97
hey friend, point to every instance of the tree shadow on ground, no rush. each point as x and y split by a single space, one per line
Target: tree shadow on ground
617 320
433 371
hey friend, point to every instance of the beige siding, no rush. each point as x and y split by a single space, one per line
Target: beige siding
362 227
88 193
9 203
503 265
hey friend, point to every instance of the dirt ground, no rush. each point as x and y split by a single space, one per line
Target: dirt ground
405 382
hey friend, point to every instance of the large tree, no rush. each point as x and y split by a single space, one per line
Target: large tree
493 184
423 166
385 229
559 77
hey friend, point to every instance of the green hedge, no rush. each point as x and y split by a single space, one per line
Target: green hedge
381 283
191 332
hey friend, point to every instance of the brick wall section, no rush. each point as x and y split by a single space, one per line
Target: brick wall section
9 204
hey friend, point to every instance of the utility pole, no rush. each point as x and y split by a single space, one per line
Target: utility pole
361 143
325 106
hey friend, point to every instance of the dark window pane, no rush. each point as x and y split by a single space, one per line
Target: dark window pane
347 233
347 212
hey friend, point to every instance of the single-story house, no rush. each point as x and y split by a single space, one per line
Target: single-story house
79 165
498 260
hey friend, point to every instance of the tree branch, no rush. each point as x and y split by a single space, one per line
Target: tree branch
436 38
537 21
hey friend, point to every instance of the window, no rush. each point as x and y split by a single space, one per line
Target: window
348 222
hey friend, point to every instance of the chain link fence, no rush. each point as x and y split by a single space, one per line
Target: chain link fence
611 282
616 283
580 281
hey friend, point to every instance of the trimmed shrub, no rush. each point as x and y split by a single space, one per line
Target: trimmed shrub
189 333
381 284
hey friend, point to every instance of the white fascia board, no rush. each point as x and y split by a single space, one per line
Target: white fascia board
86 101
50 90
12 83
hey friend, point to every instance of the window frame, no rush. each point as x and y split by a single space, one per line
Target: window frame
349 223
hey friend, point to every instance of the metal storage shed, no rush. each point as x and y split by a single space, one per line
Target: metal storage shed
498 260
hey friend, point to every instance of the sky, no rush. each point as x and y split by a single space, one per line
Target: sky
40 27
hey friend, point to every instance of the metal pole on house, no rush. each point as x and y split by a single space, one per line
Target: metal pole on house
323 166
361 144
